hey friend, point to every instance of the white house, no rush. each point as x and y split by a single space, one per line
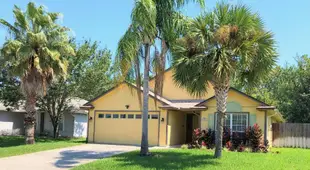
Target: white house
73 124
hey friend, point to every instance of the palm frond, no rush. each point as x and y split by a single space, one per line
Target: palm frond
20 17
127 50
228 42
11 29
144 20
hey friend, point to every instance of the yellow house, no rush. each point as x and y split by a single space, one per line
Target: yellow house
115 116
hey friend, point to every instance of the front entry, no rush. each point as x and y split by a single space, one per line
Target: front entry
189 127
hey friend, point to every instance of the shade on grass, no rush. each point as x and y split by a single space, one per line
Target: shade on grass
14 145
203 159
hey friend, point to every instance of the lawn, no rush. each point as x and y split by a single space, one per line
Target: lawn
287 158
14 145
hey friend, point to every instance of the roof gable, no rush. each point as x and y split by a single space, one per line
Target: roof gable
151 94
239 92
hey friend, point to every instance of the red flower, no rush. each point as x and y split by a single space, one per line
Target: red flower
203 143
197 131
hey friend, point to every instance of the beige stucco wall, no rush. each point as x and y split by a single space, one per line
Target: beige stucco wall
247 105
115 101
170 125
174 92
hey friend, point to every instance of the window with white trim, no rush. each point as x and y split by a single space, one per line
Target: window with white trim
236 122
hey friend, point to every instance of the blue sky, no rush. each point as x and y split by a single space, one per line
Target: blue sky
106 20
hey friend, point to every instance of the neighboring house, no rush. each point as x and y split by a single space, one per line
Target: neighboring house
72 125
115 116
11 122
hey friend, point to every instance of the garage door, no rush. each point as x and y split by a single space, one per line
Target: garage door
80 125
125 128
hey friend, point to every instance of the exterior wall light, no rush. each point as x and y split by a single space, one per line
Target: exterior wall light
127 106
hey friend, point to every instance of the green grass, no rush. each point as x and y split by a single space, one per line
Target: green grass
287 158
14 145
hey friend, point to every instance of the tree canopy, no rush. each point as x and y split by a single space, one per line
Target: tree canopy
286 87
91 73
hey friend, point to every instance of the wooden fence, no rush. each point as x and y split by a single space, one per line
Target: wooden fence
291 135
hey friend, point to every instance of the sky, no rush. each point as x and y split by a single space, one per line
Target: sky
106 21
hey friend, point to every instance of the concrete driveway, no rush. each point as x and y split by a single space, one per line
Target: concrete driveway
63 159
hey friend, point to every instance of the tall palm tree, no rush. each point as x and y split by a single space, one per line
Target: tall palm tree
228 42
35 52
152 20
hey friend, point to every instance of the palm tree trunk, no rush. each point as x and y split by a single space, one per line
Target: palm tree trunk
144 141
221 93
30 119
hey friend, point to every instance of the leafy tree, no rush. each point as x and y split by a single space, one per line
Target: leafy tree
286 87
151 20
35 52
10 93
290 87
262 90
56 103
90 71
226 43
90 74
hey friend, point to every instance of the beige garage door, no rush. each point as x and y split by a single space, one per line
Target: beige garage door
124 127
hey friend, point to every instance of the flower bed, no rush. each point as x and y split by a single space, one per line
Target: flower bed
251 139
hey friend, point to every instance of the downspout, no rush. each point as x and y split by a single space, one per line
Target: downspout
265 128
87 126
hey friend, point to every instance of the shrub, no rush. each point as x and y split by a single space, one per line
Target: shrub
263 148
237 140
204 138
226 136
229 146
210 138
241 148
255 138
247 136
196 138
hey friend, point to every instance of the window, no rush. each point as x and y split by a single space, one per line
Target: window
237 122
138 116
154 116
148 116
101 116
130 116
123 116
108 116
115 116
62 124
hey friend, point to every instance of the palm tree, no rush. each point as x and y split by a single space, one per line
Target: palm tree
35 52
228 42
152 20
